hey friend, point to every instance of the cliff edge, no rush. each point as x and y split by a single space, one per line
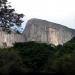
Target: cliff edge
47 32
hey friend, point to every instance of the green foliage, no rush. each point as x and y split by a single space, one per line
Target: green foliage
38 57
8 17
64 58
9 62
34 55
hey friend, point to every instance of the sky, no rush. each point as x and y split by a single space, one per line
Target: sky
58 11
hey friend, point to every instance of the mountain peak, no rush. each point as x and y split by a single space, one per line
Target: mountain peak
47 32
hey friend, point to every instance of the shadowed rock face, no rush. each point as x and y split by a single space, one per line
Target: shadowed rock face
47 32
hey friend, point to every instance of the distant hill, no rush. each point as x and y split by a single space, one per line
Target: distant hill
47 32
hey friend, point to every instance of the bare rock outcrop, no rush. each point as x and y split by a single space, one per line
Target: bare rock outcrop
47 32
40 31
7 40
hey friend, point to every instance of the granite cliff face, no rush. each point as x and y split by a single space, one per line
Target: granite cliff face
47 32
7 40
39 31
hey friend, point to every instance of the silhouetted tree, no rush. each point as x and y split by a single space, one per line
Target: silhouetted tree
8 17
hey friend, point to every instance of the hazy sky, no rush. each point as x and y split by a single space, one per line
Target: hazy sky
58 11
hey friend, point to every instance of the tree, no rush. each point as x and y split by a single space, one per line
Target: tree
8 17
34 55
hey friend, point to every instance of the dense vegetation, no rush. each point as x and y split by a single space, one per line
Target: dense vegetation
38 57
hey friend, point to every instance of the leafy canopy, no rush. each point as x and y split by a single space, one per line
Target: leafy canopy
8 17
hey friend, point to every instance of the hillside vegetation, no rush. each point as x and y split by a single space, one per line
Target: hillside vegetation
38 57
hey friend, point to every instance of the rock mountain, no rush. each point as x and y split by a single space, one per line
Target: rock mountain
7 40
47 32
39 31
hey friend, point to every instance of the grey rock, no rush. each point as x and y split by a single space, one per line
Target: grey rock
7 40
40 31
47 32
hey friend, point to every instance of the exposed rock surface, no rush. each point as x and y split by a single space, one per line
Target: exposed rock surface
47 32
39 31
7 40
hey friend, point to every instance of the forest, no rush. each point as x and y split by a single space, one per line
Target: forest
32 57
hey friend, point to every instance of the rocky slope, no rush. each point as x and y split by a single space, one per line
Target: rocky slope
47 32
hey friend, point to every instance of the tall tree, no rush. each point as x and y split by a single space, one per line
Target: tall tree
8 17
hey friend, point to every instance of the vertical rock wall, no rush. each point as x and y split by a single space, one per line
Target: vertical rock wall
47 32
39 31
8 39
